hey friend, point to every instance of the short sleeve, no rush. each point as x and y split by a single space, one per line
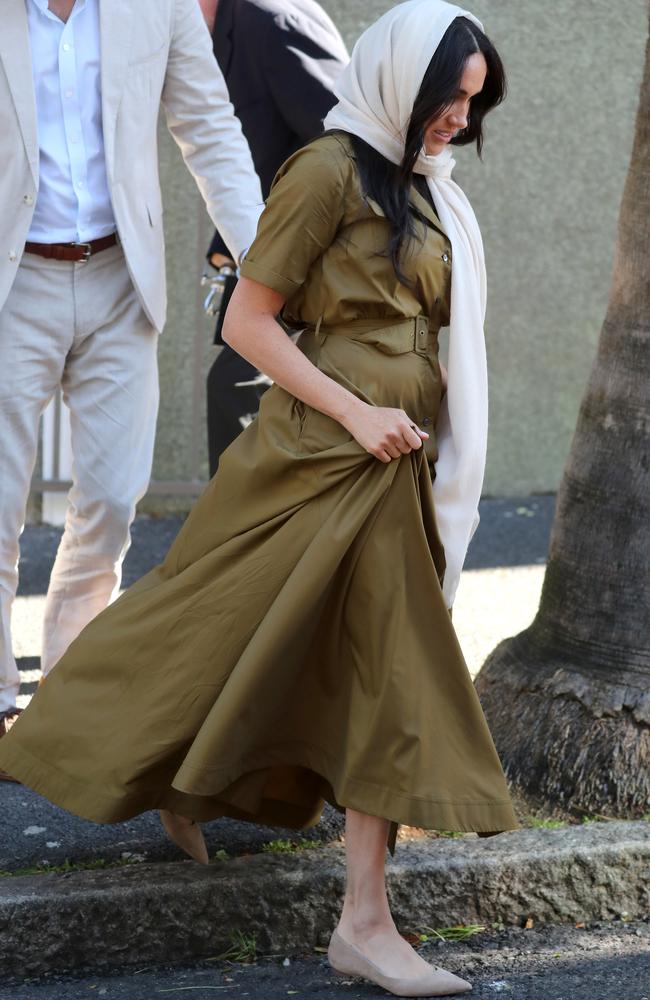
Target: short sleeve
301 218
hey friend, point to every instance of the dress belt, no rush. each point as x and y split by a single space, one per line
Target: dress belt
411 334
79 253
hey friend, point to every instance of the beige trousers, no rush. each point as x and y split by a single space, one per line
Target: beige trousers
80 327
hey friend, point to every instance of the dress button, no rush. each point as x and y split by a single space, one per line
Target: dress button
445 257
13 255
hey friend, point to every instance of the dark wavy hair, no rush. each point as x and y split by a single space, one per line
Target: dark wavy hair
389 184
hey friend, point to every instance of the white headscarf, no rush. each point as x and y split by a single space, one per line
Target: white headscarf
376 95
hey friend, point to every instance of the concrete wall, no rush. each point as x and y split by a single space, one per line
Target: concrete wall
547 196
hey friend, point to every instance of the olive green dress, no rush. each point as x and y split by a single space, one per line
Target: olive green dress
294 646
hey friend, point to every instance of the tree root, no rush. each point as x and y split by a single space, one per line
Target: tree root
566 739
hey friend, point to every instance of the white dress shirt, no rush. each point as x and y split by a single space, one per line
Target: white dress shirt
73 203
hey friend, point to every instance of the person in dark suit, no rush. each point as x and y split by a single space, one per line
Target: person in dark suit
280 59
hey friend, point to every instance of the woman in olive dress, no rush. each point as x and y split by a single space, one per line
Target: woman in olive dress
296 644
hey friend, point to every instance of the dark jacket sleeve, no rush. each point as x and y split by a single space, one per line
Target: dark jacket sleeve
303 60
218 246
303 55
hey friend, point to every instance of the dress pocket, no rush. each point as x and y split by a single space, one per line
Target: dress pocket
320 433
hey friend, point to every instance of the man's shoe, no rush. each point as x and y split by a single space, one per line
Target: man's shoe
7 720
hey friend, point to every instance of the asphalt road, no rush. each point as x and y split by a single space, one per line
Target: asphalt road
33 832
601 962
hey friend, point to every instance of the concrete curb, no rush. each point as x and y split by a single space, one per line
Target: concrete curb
178 912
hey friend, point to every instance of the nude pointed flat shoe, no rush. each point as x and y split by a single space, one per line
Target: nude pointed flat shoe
345 958
186 834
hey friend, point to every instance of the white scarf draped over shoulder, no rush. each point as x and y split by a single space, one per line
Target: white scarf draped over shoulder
376 94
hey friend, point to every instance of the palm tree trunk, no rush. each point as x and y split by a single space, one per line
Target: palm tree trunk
568 700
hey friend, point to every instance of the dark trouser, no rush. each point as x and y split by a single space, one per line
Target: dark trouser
231 406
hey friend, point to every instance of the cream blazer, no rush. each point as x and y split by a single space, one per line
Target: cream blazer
153 51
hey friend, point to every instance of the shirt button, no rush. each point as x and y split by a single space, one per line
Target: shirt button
68 93
79 185
445 257
28 199
13 255
426 421
66 47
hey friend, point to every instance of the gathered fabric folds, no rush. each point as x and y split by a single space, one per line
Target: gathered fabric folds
293 647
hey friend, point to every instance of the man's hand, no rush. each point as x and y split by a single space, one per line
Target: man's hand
217 277
220 260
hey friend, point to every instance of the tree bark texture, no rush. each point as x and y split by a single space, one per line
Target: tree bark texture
568 700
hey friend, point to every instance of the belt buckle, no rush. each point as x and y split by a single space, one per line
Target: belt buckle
421 335
87 249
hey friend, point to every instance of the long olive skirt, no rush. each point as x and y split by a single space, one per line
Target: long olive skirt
293 647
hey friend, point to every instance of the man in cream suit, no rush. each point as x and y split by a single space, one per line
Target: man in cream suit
82 271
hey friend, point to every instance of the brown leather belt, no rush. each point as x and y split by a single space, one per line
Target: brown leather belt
79 253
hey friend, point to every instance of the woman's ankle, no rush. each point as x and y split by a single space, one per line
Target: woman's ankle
361 923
